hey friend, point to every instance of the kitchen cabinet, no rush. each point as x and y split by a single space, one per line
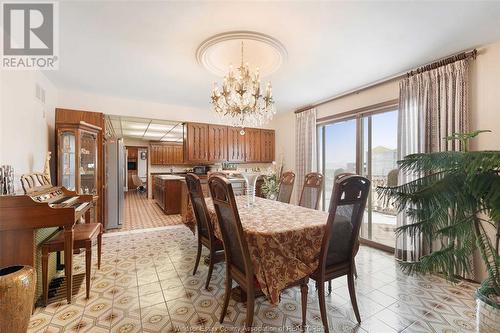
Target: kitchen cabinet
208 144
196 142
166 154
132 153
252 145
217 143
235 145
167 193
267 147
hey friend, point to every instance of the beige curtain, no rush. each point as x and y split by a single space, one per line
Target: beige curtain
432 106
305 148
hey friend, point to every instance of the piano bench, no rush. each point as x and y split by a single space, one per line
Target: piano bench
84 234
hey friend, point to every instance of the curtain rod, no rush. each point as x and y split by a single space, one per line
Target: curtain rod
444 61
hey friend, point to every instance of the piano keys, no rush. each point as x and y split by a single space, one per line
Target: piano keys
42 207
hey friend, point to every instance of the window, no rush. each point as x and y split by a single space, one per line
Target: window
364 144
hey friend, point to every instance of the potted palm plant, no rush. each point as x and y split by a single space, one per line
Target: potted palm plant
455 199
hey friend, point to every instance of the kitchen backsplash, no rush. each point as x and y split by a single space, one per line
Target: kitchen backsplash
214 167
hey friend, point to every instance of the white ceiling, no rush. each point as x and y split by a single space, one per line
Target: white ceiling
146 50
145 129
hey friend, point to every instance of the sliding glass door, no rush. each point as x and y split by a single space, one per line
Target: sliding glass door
339 154
366 145
378 158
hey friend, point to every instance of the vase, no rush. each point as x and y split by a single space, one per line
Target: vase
17 293
251 180
487 314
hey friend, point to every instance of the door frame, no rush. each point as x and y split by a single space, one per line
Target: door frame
358 115
147 163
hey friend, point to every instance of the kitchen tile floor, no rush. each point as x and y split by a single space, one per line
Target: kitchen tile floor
145 284
144 213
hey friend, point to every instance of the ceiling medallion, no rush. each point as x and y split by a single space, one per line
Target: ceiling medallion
240 100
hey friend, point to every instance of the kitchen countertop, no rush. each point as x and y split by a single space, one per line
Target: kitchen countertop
168 173
169 177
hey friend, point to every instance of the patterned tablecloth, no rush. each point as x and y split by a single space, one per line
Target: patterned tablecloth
284 241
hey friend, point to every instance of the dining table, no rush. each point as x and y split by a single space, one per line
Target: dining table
284 240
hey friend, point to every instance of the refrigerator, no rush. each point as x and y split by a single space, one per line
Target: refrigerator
116 176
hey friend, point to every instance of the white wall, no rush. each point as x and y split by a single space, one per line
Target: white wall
134 108
485 107
485 97
26 125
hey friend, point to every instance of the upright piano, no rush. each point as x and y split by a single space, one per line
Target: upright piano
43 207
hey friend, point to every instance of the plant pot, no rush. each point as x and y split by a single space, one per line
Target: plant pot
17 293
487 314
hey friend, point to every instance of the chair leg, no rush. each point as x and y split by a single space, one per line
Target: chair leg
99 249
250 310
227 295
329 287
352 294
322 304
88 267
354 269
210 268
45 282
304 288
198 256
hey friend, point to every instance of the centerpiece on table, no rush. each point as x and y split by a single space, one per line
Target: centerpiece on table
271 181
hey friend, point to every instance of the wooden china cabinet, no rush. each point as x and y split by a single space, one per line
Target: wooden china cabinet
79 156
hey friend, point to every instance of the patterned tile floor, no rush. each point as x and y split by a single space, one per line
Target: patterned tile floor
144 213
145 284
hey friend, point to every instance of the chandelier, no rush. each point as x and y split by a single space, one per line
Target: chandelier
239 101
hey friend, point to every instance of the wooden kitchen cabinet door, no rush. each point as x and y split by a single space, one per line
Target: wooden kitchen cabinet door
154 154
252 145
161 154
178 154
197 142
267 147
235 145
217 143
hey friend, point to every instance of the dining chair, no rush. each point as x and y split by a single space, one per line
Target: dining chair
139 184
287 180
338 246
337 177
311 190
206 236
258 187
239 266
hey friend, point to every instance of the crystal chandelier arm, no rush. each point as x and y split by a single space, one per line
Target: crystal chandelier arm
241 101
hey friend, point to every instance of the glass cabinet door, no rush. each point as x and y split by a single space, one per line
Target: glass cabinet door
67 159
88 163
